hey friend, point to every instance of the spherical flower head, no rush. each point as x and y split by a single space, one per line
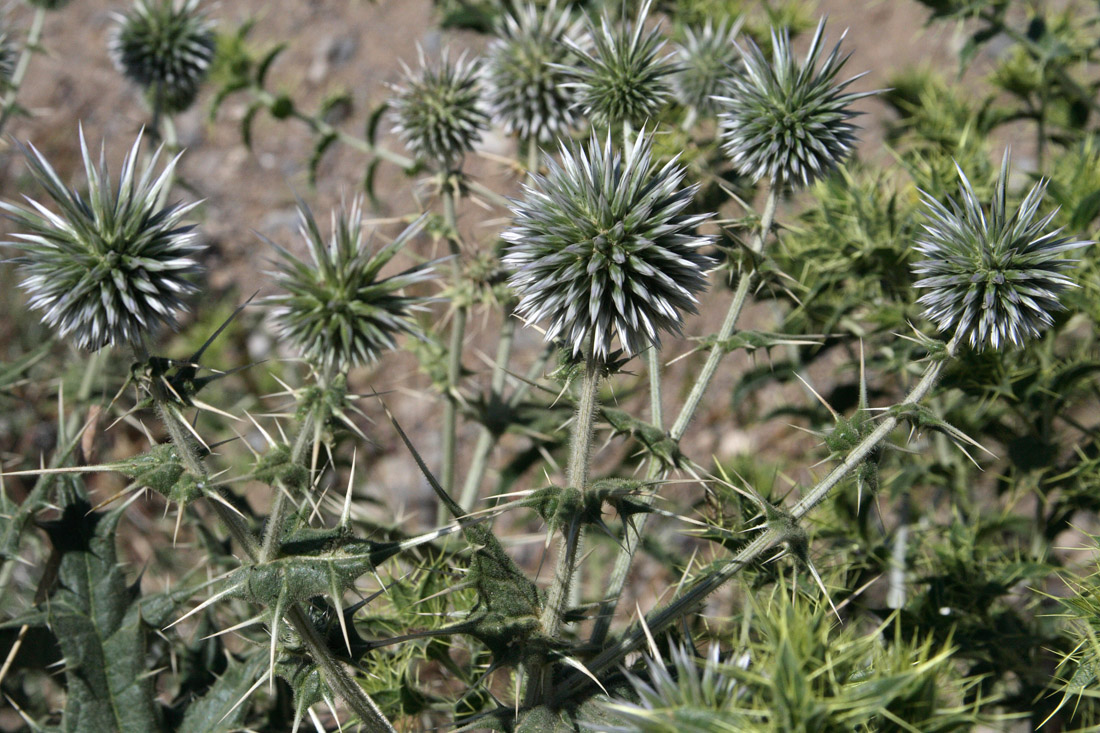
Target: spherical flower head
166 48
337 309
993 278
708 58
526 73
786 121
622 77
437 111
109 266
600 247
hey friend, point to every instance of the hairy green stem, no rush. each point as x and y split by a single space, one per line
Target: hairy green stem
660 619
454 354
633 532
580 452
487 439
34 37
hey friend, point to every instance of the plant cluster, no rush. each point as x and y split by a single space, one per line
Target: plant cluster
932 328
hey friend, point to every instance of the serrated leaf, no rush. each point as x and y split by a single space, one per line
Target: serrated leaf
96 617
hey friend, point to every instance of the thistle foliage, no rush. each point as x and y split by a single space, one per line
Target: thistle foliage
622 77
601 248
525 72
993 278
789 121
437 110
165 47
112 264
338 310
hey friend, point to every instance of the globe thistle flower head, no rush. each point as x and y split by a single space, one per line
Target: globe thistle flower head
526 73
107 267
165 47
622 77
337 309
601 248
708 58
683 688
437 111
992 278
789 121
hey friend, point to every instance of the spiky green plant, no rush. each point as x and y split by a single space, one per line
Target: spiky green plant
165 47
602 248
708 58
785 120
525 72
622 76
112 264
338 310
437 110
993 278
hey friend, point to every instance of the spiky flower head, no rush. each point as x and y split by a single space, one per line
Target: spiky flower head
600 248
165 47
684 690
526 72
708 60
789 121
437 111
111 265
337 309
622 77
993 278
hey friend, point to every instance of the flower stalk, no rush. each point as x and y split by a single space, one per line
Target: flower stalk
34 38
632 533
660 619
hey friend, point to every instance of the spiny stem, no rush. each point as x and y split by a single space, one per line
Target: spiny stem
34 37
662 618
338 679
632 534
653 361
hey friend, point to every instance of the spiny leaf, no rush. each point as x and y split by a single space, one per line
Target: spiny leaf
96 617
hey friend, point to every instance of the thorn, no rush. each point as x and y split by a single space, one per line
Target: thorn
834 413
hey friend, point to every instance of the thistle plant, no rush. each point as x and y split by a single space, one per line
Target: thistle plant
437 110
602 249
526 71
622 76
338 310
708 58
788 121
993 279
288 564
110 265
165 47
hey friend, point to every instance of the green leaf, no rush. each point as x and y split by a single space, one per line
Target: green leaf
215 711
96 617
